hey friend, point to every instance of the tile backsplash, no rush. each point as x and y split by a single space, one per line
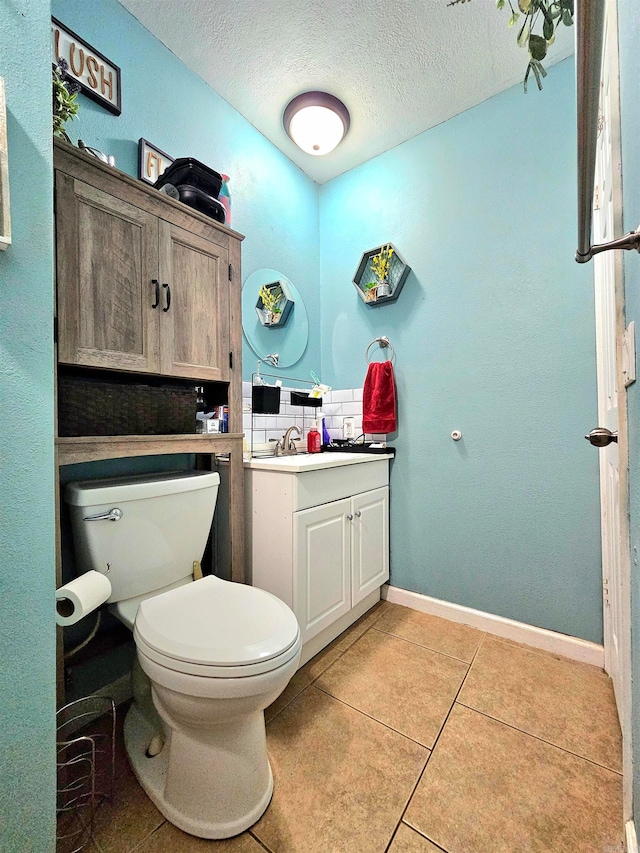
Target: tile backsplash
337 405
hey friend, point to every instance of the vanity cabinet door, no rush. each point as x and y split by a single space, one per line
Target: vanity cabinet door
369 543
194 277
106 264
322 579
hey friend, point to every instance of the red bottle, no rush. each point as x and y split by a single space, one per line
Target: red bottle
314 442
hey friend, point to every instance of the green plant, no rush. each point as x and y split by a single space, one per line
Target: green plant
65 90
380 266
544 14
271 296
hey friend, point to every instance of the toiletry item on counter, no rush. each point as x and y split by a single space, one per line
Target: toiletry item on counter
200 409
314 444
326 438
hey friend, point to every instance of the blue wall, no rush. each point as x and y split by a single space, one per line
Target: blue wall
494 335
27 572
273 202
629 35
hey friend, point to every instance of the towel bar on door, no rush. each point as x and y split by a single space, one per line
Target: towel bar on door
384 343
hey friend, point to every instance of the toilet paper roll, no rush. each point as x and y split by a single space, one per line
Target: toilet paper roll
82 596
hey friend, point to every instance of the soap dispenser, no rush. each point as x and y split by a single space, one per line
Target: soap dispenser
314 444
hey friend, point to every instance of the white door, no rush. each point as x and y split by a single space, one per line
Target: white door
609 330
369 543
322 589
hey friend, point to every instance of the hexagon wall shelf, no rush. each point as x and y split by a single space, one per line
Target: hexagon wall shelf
398 272
285 304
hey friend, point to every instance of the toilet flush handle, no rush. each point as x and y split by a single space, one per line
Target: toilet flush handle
114 514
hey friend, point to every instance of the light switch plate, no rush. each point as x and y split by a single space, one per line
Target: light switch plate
629 354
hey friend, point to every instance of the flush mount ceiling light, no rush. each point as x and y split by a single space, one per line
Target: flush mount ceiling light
316 122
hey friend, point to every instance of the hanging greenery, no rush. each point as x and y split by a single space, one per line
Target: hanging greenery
545 16
65 90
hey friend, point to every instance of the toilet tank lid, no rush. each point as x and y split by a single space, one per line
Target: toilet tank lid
114 489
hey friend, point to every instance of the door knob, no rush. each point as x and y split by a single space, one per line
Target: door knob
601 437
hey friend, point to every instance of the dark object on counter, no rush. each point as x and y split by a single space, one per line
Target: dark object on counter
88 406
199 200
190 172
345 445
299 398
265 400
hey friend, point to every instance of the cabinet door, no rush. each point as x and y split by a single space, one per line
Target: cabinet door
106 262
321 545
194 331
369 543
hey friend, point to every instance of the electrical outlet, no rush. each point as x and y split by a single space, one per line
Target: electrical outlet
348 428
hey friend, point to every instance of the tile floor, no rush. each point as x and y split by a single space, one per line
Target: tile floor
412 734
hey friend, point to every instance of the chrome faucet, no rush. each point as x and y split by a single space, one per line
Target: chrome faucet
288 447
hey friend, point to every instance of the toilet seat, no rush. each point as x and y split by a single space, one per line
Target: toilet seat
217 629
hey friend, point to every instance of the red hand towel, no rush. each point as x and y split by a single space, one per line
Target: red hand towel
379 399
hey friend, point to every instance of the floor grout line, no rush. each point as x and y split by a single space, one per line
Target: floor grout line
435 743
260 842
369 717
421 645
541 739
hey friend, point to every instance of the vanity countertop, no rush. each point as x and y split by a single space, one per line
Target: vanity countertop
312 461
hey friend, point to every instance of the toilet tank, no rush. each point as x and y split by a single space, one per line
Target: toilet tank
162 527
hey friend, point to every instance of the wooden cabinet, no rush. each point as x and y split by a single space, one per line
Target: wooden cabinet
146 285
107 258
194 283
319 540
137 290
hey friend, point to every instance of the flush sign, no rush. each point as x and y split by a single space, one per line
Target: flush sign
98 77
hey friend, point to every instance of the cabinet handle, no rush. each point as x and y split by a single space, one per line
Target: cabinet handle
168 305
350 517
358 514
156 284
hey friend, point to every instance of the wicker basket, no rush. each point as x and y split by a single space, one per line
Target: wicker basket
88 406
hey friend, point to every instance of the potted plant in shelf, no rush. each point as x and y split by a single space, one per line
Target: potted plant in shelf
380 264
271 297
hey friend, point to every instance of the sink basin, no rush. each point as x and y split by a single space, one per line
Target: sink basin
311 461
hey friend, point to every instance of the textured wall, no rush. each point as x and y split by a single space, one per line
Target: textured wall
629 34
27 564
494 336
274 203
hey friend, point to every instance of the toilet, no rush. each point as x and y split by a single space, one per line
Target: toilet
211 654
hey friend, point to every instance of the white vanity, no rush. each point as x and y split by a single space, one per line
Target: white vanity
317 530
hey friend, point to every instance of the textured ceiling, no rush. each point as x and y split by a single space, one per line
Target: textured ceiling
400 66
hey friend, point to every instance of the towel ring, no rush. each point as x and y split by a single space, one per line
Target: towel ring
384 343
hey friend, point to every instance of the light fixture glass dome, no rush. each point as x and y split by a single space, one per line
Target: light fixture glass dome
316 122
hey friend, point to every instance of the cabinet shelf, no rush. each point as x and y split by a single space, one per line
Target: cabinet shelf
91 448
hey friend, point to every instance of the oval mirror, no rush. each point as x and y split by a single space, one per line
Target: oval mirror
290 339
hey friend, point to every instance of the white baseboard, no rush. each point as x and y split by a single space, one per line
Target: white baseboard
630 837
540 638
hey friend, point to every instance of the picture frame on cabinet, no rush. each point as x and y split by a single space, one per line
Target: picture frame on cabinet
152 161
5 212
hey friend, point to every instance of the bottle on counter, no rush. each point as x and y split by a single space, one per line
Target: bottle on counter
200 409
314 443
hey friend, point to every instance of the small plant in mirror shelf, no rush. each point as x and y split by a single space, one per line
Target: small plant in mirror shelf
271 296
65 91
